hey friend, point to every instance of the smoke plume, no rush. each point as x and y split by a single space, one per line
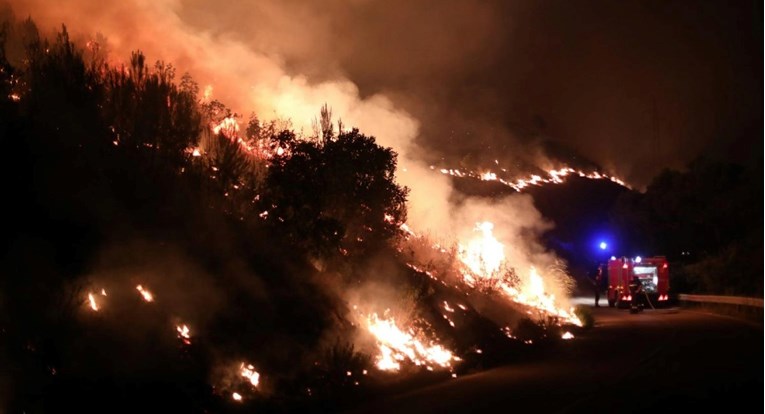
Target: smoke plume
284 60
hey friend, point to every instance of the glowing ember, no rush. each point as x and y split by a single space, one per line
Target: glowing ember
103 292
92 300
489 176
236 396
397 345
184 333
147 296
248 371
567 335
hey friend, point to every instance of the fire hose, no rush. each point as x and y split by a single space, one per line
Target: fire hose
648 299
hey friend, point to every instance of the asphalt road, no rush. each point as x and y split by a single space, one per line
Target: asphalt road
666 360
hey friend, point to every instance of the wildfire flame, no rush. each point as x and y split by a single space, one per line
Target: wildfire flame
248 371
228 126
92 300
236 396
533 294
567 335
397 345
553 177
483 258
147 296
184 333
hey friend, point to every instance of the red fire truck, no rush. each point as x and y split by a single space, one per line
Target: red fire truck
653 273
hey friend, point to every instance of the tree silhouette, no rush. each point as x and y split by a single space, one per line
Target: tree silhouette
149 114
706 214
335 194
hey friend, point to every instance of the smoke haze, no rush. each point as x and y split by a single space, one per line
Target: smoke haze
459 83
633 87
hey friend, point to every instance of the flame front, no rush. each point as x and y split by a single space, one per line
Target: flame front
553 177
483 258
532 293
397 345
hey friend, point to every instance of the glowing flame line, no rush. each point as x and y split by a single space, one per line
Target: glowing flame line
553 177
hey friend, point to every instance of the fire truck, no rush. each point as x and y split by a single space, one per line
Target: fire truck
653 273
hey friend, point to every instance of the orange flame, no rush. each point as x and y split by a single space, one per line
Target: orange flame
92 300
553 177
484 257
147 296
228 126
248 371
397 345
184 333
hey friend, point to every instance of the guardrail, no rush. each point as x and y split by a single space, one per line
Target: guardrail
731 300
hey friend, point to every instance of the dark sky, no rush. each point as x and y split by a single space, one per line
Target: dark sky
634 85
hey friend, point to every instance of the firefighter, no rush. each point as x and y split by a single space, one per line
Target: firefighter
597 282
636 291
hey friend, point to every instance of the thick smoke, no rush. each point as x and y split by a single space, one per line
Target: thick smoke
522 82
256 64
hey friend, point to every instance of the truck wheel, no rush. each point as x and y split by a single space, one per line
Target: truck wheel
611 303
